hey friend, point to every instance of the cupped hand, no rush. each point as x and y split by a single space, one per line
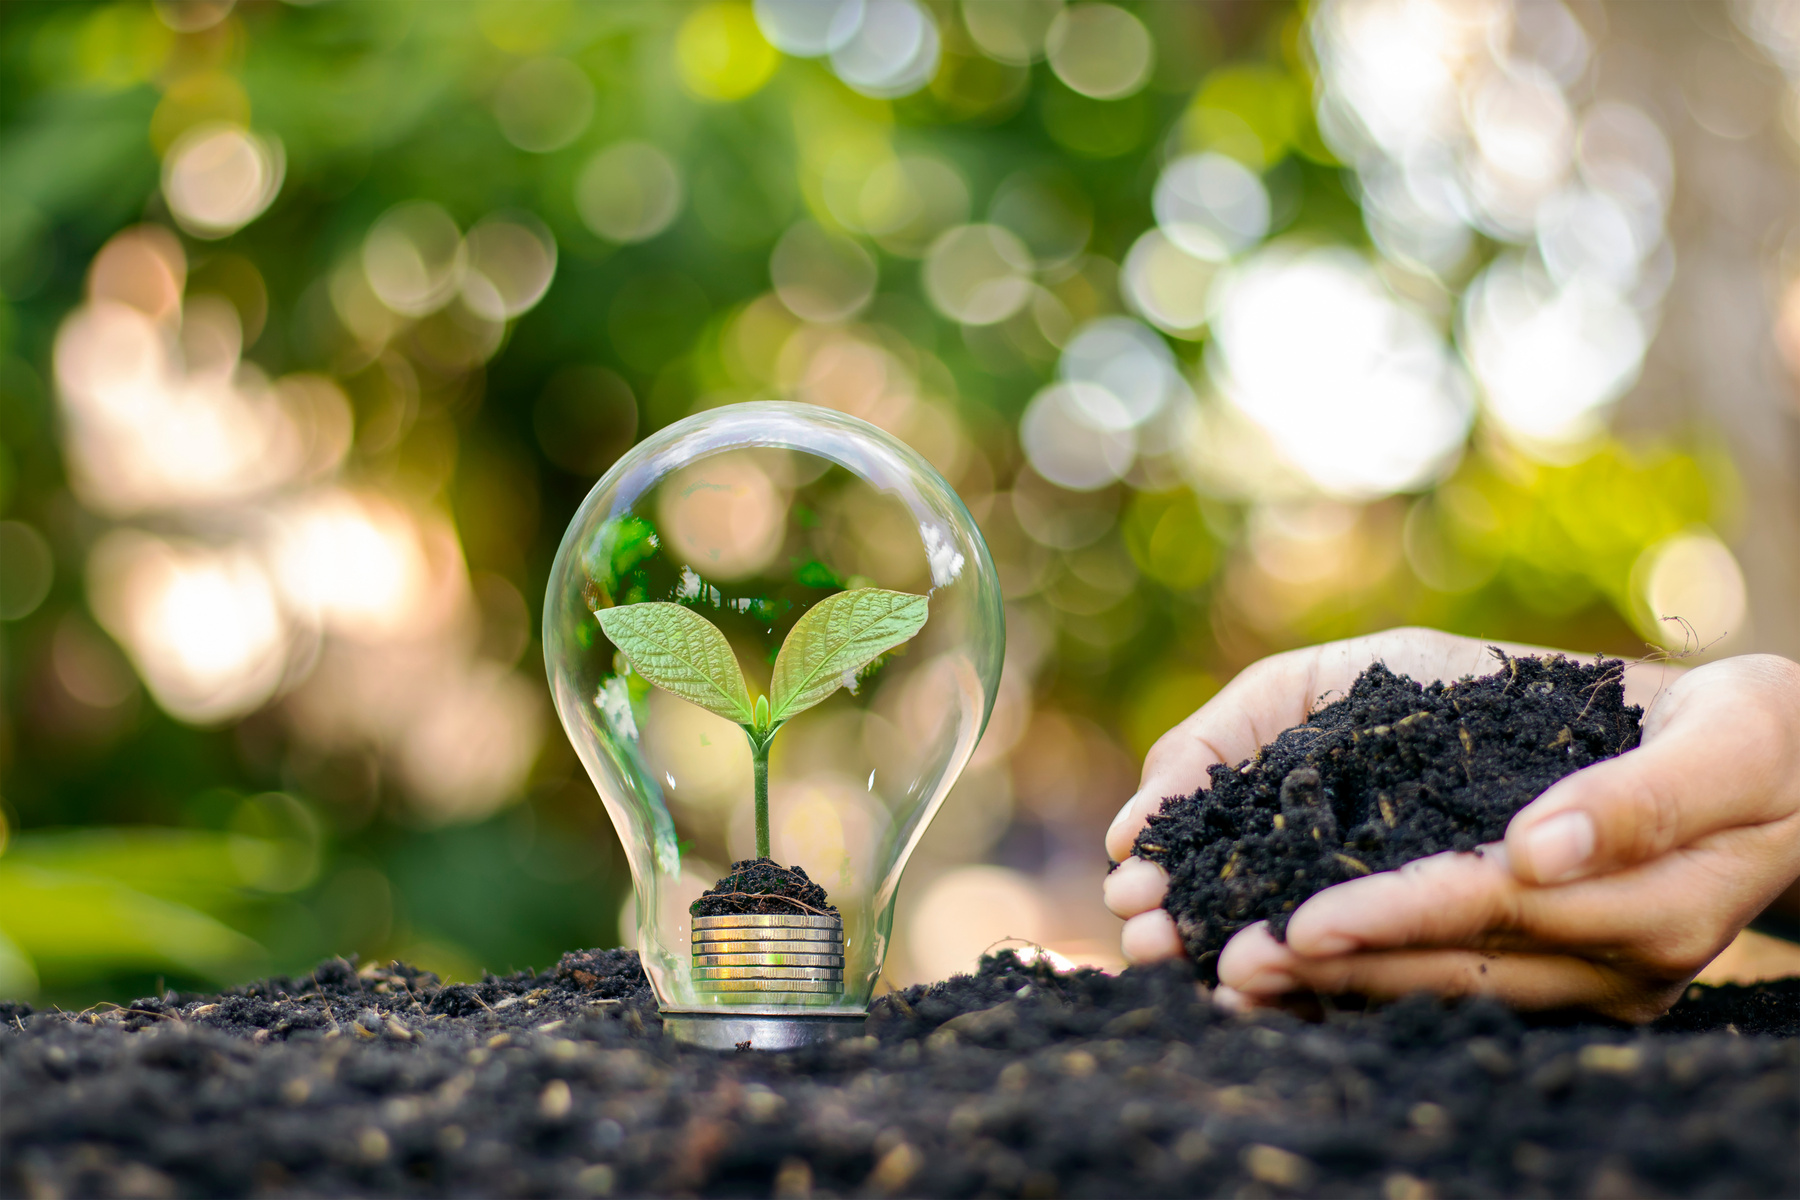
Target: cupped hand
1610 892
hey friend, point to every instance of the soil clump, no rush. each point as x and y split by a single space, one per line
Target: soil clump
376 1080
762 885
1391 772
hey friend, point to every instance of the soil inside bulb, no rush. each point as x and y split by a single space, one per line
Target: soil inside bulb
1391 772
762 885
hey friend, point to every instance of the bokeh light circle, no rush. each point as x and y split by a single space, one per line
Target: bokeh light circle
1011 31
1356 390
219 178
1069 445
1212 206
1100 50
1127 372
720 54
511 261
544 104
808 28
414 258
963 912
1691 591
30 567
906 202
893 53
820 275
629 192
1549 358
1168 286
978 274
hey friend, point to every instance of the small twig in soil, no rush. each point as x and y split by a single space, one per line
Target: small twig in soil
1610 675
406 985
1691 647
144 1012
1512 667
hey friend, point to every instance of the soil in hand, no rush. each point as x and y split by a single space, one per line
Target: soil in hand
762 885
1391 772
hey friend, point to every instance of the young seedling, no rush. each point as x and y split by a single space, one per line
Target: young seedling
682 652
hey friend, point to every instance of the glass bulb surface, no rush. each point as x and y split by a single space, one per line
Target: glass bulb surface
751 516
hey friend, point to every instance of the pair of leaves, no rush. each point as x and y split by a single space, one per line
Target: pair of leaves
682 652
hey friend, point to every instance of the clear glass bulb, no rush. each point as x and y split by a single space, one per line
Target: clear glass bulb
750 516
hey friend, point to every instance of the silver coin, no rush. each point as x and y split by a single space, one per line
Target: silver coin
769 947
767 989
753 933
759 1001
714 973
769 960
768 920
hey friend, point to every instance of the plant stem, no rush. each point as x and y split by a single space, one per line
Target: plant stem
759 759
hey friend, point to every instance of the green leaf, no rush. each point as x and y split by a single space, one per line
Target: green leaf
682 652
840 635
75 926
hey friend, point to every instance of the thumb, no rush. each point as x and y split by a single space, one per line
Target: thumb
1709 761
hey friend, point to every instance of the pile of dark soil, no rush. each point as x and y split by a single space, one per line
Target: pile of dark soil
1391 772
762 885
1011 1082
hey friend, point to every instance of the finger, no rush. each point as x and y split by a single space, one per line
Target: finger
1137 885
1255 969
1521 981
1669 916
1255 964
1447 899
1262 701
1719 753
1150 937
1232 1000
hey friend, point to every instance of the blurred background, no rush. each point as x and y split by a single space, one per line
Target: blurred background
1237 325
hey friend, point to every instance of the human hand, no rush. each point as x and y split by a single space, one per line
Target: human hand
1264 699
1610 891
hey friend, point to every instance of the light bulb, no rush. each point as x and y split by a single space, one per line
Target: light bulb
772 631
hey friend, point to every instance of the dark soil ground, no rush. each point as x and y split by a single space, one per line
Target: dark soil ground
1012 1082
1391 772
762 885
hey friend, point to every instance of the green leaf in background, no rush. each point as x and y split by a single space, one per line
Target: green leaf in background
76 902
66 923
682 652
840 635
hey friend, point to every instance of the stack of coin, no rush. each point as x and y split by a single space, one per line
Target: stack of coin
769 958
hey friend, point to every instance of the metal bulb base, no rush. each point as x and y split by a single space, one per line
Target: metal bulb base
759 1031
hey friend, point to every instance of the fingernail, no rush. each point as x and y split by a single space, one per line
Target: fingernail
1124 811
1560 847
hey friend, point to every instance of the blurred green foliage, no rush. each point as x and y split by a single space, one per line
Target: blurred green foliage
146 849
